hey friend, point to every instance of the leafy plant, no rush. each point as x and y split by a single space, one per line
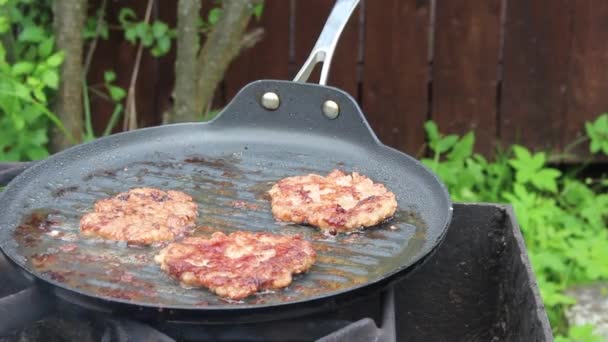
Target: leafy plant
156 35
579 333
598 134
29 75
563 219
116 95
216 12
91 29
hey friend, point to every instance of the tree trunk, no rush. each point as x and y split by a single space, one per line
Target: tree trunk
69 19
185 92
222 46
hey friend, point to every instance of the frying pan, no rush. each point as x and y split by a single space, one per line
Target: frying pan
272 129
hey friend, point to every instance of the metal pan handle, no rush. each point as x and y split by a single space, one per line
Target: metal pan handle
26 302
323 50
8 171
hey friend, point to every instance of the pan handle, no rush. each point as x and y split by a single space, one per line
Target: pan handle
21 301
323 50
303 109
8 171
24 307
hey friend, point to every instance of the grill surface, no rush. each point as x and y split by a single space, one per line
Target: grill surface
231 194
229 183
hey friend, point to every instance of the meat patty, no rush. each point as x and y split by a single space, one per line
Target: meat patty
237 265
336 203
141 216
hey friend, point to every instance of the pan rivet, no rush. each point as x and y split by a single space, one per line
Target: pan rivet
270 100
331 109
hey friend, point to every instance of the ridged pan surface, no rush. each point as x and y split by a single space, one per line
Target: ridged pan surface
227 172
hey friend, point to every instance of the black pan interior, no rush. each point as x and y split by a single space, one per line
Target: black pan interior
227 169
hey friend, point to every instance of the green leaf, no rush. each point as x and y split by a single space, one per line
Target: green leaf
147 40
550 260
130 35
141 30
22 91
522 153
595 146
117 93
39 137
463 148
597 132
155 51
159 29
32 34
2 55
55 59
214 15
104 33
126 16
18 123
583 333
89 29
32 81
109 76
432 131
21 68
39 95
258 9
5 24
546 179
36 152
46 47
164 45
50 78
446 143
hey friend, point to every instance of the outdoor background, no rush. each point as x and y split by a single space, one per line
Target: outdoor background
503 99
533 79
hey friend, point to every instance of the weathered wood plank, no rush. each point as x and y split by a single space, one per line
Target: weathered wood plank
163 101
465 68
536 57
269 58
588 80
395 71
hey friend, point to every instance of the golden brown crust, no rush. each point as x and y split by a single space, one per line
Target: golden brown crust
338 202
237 265
141 216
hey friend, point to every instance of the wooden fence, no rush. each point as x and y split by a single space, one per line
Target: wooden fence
518 71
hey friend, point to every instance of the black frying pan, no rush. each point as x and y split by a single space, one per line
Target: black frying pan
226 165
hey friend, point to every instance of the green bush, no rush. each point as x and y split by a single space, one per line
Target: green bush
563 218
29 76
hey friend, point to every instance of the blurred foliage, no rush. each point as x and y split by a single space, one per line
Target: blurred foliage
156 36
580 333
97 26
563 218
116 96
598 133
30 70
29 76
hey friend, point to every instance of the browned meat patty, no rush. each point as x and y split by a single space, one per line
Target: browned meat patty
336 203
141 216
237 265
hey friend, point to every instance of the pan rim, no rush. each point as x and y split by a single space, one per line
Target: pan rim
425 252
